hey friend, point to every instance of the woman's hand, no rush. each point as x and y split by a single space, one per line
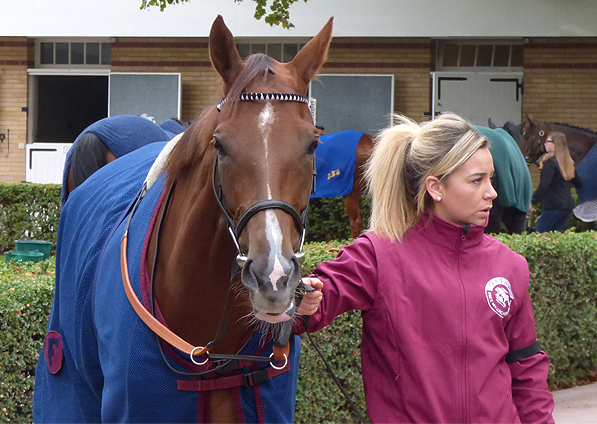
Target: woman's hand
312 299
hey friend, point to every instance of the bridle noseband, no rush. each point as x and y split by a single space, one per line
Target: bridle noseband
235 230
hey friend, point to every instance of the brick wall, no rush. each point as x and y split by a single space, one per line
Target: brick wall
560 77
560 80
15 55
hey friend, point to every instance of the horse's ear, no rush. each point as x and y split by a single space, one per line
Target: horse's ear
223 53
522 125
530 118
314 54
491 124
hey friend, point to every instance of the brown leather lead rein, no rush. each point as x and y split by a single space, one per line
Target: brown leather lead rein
280 354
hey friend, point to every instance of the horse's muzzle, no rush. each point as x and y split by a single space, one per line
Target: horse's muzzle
271 287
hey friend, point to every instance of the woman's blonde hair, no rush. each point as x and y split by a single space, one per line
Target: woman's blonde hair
562 154
404 156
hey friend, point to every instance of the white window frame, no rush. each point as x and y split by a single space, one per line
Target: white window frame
511 42
39 65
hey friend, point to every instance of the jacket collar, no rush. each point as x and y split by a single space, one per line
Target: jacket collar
446 234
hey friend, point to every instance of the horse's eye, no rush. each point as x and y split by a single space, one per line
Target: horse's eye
219 148
313 147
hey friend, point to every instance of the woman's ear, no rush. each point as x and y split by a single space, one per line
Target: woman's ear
433 187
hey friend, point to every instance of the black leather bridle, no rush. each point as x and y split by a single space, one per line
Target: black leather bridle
300 219
235 229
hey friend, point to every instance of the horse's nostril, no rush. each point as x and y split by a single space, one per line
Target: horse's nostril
282 281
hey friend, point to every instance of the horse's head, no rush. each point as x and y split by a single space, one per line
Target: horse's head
264 149
535 134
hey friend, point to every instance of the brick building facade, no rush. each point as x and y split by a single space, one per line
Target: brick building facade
560 81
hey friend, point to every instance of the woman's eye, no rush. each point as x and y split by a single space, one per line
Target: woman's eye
313 147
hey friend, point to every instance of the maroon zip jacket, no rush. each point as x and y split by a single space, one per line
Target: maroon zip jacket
441 310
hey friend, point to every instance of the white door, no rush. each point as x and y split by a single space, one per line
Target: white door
45 162
478 96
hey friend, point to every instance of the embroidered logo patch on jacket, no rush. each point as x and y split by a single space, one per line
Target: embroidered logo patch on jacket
499 295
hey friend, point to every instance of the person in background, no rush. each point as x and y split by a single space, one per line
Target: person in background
448 325
553 193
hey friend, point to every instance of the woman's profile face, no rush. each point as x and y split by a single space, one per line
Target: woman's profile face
550 146
467 194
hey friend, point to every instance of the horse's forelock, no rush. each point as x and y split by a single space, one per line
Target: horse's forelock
256 69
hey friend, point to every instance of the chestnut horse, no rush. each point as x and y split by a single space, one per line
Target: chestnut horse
212 232
336 156
359 187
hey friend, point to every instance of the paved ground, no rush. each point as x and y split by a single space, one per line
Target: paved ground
577 405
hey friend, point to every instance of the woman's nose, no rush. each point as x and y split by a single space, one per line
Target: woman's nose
491 193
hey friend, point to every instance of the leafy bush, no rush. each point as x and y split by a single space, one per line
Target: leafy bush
28 212
328 220
26 291
563 288
563 272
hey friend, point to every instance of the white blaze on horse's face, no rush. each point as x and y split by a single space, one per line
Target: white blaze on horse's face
266 119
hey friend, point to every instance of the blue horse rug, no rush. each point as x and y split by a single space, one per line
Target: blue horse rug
121 134
586 175
335 159
515 187
172 127
100 362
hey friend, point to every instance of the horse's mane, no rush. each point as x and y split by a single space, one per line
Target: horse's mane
575 127
192 147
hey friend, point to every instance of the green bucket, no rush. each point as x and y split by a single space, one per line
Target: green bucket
28 256
31 245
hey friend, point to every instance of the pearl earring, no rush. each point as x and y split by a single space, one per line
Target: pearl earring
439 199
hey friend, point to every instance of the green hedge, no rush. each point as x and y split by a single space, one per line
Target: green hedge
563 270
327 219
26 291
32 211
28 212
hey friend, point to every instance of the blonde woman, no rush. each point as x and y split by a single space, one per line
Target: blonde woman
553 193
448 325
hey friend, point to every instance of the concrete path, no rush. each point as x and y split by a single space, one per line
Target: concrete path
577 405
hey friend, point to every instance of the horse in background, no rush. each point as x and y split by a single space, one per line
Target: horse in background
159 249
511 180
108 139
340 165
582 143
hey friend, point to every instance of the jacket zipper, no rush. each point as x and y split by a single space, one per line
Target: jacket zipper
464 350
